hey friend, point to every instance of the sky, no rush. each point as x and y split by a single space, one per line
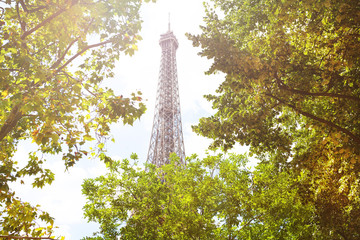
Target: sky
63 199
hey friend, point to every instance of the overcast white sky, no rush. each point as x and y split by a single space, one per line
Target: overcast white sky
63 199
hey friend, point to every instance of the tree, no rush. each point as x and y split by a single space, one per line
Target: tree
54 56
291 92
213 198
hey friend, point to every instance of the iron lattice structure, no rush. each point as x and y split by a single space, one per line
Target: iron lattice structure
167 136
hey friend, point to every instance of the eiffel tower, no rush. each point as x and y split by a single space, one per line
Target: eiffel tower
167 136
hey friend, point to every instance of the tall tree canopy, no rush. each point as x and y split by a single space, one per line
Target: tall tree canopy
291 92
54 54
213 198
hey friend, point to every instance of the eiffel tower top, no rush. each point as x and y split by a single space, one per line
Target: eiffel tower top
166 38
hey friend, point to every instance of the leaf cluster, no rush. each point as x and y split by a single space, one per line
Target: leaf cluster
213 198
292 93
54 55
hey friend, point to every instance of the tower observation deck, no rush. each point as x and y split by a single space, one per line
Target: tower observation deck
166 135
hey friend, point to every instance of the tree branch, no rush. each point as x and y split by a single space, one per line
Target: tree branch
252 219
321 94
12 69
309 115
47 20
282 85
2 12
22 24
78 81
40 50
57 63
23 5
11 121
18 237
81 52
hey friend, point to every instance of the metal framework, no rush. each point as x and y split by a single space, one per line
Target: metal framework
167 136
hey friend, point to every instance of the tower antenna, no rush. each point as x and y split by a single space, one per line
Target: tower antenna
169 23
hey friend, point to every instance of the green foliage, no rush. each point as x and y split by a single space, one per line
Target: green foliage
53 57
292 93
27 220
213 198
